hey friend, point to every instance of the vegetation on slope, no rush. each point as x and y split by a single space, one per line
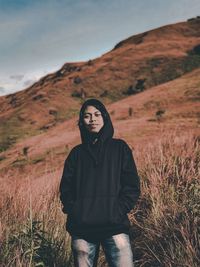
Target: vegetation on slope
136 64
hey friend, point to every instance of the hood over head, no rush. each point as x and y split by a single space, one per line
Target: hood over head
106 131
94 142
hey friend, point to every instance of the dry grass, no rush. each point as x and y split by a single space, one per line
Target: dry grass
165 229
32 224
165 222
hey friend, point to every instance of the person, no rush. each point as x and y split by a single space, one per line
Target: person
99 186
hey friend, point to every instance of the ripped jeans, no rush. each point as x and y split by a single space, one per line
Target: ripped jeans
117 250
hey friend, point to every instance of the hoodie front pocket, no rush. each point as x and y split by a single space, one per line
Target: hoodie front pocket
96 210
117 213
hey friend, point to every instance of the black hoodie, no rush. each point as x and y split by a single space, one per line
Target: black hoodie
100 183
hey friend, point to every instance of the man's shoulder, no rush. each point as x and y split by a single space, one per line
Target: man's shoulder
76 148
118 141
122 143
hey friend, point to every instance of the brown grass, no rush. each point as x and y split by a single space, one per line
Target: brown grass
165 222
165 229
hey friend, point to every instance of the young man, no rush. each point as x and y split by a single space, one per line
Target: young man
99 186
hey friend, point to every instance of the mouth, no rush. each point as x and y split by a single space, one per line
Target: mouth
93 125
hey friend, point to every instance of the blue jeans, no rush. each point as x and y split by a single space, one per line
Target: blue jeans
117 250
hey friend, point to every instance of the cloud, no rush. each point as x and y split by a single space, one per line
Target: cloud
29 82
2 90
17 77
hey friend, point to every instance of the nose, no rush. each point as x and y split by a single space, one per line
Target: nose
92 118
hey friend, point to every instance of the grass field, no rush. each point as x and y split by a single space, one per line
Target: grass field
164 226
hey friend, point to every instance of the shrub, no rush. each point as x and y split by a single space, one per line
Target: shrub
7 142
77 80
139 87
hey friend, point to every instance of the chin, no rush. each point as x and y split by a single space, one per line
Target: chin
94 131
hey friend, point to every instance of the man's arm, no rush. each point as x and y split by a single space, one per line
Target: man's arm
130 182
66 184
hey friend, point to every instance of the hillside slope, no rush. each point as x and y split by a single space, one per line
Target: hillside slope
173 106
135 64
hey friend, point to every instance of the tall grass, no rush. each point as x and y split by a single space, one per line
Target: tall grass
165 230
165 224
32 224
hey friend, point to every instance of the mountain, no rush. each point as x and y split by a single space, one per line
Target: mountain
169 107
134 65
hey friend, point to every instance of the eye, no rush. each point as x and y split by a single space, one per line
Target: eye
86 116
98 114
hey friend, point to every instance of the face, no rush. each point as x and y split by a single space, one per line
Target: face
93 119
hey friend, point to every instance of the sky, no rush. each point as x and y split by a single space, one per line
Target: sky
38 36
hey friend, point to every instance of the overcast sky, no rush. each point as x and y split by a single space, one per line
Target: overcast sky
38 36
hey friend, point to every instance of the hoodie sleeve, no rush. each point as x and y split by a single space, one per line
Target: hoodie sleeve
130 182
66 184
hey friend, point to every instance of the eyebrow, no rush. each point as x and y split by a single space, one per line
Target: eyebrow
91 113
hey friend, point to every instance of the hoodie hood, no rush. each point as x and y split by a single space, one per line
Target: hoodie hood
106 131
94 141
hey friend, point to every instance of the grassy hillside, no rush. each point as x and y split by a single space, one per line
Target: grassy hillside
134 65
171 106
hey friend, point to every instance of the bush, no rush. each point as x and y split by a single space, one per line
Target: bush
6 143
139 87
